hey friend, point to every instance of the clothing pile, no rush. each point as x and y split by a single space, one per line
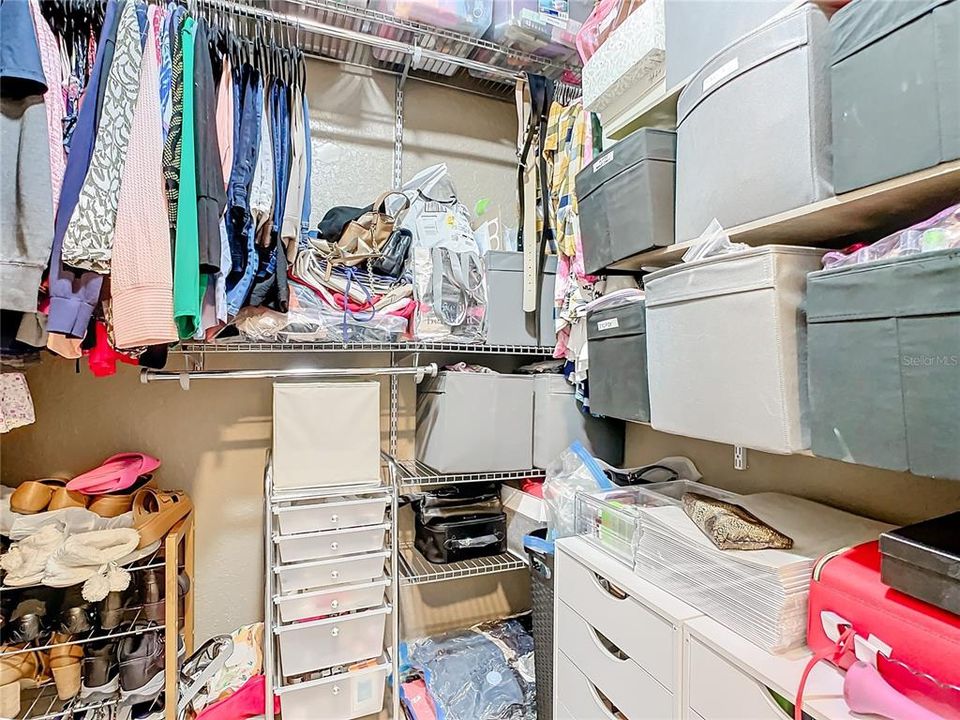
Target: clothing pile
485 671
160 176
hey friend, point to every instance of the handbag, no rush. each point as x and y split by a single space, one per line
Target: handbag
393 257
854 616
459 522
363 238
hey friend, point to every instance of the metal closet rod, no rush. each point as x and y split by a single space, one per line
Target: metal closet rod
185 377
418 53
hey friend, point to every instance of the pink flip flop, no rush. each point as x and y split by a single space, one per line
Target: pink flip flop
114 474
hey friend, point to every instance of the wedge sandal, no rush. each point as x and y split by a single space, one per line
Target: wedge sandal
155 512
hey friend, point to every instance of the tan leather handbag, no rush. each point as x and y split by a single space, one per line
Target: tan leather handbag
365 237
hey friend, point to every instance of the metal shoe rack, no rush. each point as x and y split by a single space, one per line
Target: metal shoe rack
176 554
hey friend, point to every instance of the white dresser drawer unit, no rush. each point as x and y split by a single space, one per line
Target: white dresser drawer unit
332 515
346 696
309 646
330 543
315 604
333 571
608 668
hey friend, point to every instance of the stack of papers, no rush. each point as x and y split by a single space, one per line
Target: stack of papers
759 594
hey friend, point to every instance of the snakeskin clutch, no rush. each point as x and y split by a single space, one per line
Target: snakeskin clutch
731 527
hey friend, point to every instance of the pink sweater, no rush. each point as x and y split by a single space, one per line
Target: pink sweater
142 278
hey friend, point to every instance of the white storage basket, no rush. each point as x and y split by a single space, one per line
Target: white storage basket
344 696
309 646
339 513
312 604
333 571
330 543
726 348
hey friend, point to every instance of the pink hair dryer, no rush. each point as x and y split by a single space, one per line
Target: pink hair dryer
867 692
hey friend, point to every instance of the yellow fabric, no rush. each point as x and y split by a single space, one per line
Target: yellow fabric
564 151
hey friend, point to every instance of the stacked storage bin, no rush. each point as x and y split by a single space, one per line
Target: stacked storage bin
329 551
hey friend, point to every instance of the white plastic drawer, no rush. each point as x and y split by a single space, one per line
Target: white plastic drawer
334 571
721 691
582 699
336 599
629 687
309 646
338 697
311 517
648 639
330 543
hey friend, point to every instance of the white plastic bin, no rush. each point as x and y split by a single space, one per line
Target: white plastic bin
330 543
345 696
309 646
314 516
313 604
333 571
326 434
726 346
525 513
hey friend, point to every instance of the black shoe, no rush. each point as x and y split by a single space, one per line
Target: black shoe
101 671
141 666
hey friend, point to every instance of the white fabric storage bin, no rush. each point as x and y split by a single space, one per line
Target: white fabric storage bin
336 599
628 64
309 646
345 696
558 422
326 434
314 516
475 422
756 116
726 348
330 543
323 573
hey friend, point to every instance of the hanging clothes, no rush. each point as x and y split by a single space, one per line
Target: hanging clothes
211 195
172 145
88 243
52 100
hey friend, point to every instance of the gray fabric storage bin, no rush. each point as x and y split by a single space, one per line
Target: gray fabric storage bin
698 29
558 421
475 422
617 345
753 126
507 323
626 198
884 363
896 80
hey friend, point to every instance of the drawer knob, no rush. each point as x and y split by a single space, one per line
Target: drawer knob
334 574
336 690
335 632
334 604
334 518
334 546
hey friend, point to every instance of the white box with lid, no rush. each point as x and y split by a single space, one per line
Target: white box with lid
726 348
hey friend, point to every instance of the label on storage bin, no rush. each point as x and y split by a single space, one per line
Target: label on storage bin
555 12
604 161
608 324
729 67
364 691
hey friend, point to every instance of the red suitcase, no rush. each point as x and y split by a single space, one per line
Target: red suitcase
854 616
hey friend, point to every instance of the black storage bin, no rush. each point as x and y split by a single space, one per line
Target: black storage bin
923 561
443 541
617 343
626 198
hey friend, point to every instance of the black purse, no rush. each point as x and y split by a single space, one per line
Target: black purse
393 258
459 522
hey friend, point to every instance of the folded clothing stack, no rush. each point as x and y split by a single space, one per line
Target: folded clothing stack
759 594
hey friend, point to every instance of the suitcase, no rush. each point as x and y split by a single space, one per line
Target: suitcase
914 645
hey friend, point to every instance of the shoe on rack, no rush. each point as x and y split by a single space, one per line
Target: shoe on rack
65 665
23 670
118 502
76 616
141 661
101 671
155 512
152 589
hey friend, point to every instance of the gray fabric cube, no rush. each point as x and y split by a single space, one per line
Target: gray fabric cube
617 339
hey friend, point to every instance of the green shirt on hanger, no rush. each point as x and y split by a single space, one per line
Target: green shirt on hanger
186 261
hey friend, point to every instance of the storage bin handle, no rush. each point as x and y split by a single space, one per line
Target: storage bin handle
335 690
609 588
607 645
334 604
335 632
609 709
334 518
482 541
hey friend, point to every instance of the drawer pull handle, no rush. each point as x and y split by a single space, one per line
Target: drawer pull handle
334 574
335 690
607 645
334 604
335 632
609 587
334 546
334 518
612 710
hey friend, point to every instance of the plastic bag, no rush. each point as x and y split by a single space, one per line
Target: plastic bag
940 232
712 241
575 469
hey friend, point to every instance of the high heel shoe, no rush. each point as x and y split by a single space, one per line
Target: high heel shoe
65 664
23 670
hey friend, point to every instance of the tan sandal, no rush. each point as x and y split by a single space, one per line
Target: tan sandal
24 670
155 512
33 496
118 503
65 663
63 498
